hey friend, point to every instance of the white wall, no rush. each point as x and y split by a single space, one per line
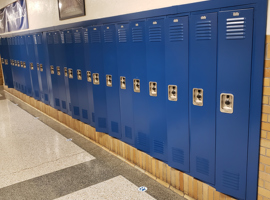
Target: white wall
44 13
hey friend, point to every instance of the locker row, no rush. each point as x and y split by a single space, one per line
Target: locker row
176 87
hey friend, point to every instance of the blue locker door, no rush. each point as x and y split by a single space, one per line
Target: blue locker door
99 79
235 30
38 68
112 80
65 73
27 74
59 55
42 59
140 90
30 46
80 75
88 74
13 48
126 82
52 69
72 74
155 51
202 82
176 66
6 64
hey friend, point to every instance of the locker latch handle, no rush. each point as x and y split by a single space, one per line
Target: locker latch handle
65 71
41 67
37 66
95 78
31 66
58 70
109 80
153 89
226 103
52 69
123 82
172 92
136 85
79 74
89 76
70 73
198 96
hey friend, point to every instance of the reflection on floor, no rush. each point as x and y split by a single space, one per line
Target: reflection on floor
38 162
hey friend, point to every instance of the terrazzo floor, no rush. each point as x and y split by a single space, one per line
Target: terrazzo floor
40 161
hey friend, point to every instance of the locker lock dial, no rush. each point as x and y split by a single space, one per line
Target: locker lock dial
172 92
153 89
197 96
52 69
70 73
31 66
95 78
109 80
123 82
136 85
58 71
79 74
65 71
89 77
226 103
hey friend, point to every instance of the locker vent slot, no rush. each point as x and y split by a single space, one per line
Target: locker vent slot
76 110
114 127
235 28
68 38
108 36
49 39
64 105
155 34
38 39
122 35
29 40
178 155
62 38
158 147
84 114
128 132
143 139
46 97
57 102
85 36
77 37
55 38
102 122
137 34
95 37
230 180
37 94
202 166
176 33
93 117
204 30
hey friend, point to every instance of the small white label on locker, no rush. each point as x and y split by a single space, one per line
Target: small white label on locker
235 14
203 17
136 24
154 22
175 20
94 29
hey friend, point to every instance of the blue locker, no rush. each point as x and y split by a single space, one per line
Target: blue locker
126 82
88 74
65 72
52 67
176 66
72 74
98 78
112 80
59 57
155 51
10 46
41 60
6 64
202 83
80 75
235 32
30 46
24 66
140 85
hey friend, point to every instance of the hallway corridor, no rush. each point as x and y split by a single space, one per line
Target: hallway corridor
38 162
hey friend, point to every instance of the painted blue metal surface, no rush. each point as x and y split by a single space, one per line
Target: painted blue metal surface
30 46
140 99
97 67
235 31
88 76
41 59
6 63
112 92
124 38
155 62
24 58
202 75
82 78
71 65
176 72
52 68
